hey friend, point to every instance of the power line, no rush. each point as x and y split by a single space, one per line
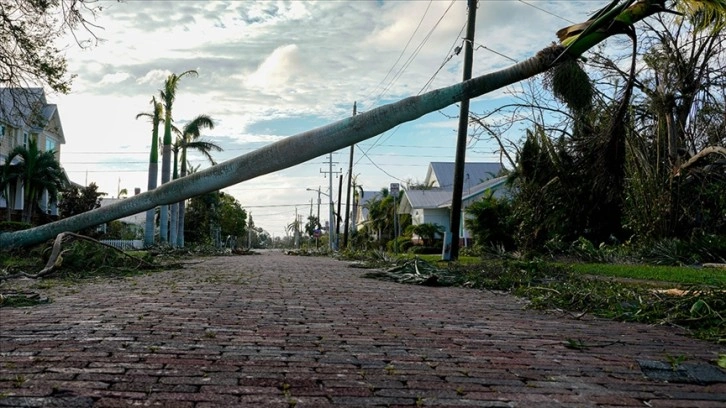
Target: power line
546 11
448 58
413 55
402 51
495 52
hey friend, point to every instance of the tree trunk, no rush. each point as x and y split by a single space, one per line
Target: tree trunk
150 227
311 144
291 151
164 208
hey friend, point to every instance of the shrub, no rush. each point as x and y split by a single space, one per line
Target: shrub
10 226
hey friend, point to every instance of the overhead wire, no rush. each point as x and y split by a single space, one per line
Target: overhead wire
398 75
390 70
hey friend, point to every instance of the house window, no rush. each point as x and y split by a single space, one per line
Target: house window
2 132
49 144
24 140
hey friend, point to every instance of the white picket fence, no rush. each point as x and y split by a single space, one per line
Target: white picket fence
124 244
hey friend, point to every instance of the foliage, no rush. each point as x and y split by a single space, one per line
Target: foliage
401 244
674 251
422 250
214 212
700 309
121 230
381 212
37 171
76 200
681 275
27 54
168 95
190 139
312 225
428 232
490 221
13 226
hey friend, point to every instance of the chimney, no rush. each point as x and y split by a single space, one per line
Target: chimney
137 190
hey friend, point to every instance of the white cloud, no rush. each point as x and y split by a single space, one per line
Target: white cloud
115 78
154 77
277 69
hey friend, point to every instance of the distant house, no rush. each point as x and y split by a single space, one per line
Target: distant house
359 214
136 221
433 204
25 114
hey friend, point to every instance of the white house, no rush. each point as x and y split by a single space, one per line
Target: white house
25 114
433 205
359 212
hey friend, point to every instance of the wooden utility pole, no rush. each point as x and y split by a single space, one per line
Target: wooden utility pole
347 196
453 253
337 219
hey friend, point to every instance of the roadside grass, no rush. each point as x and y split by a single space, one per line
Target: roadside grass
676 274
436 259
698 306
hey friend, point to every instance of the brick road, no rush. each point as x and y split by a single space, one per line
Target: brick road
280 331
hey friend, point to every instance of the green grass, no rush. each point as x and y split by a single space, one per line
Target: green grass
436 259
675 274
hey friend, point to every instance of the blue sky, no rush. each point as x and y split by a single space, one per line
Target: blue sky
268 70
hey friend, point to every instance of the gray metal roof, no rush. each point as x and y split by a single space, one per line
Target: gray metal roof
441 198
442 173
27 108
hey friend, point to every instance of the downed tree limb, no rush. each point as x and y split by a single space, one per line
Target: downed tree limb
698 156
55 261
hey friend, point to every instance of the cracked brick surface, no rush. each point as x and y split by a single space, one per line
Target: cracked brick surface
282 331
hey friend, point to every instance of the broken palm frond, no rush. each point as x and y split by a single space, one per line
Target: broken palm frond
21 299
704 13
416 272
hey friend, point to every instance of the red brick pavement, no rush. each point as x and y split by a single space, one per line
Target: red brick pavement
282 331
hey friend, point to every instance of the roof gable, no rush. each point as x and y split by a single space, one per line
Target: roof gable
441 174
27 108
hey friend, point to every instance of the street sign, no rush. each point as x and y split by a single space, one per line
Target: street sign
394 189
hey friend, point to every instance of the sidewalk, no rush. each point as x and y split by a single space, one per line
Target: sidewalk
282 331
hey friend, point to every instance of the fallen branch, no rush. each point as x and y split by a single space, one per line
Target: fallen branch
703 153
56 256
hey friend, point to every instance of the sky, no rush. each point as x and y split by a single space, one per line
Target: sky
268 70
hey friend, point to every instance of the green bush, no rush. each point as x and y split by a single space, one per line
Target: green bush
674 251
404 243
10 226
418 249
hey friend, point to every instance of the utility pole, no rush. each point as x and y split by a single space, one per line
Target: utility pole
347 195
453 253
331 225
249 232
340 200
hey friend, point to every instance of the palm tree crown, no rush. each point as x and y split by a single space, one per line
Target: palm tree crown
36 171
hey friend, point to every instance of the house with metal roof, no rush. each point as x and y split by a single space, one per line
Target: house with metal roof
432 204
25 114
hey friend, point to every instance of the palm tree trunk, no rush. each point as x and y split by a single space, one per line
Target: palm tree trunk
164 208
174 209
182 203
150 228
292 150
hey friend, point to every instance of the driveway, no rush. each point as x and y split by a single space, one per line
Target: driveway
273 330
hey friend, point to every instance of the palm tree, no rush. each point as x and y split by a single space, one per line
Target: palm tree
315 143
37 172
190 140
153 165
378 214
168 94
8 181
